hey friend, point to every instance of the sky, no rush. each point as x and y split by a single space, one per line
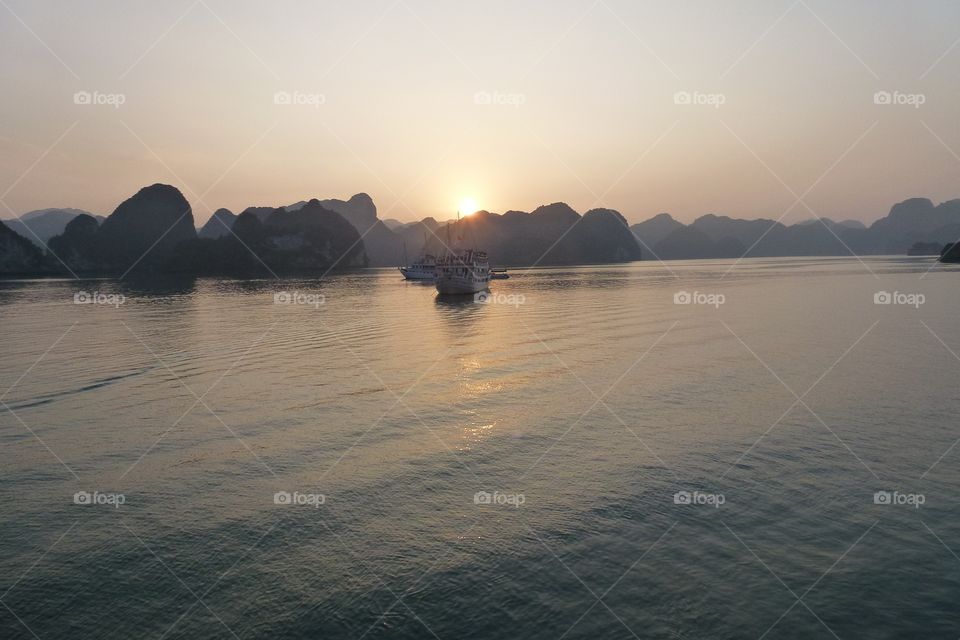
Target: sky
782 109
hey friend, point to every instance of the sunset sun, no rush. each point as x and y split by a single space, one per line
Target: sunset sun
467 206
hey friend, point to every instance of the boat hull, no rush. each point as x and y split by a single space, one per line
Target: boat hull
417 274
453 286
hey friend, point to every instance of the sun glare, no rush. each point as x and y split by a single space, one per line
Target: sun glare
467 206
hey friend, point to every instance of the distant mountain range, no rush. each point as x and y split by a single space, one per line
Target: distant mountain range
910 222
41 225
551 234
154 231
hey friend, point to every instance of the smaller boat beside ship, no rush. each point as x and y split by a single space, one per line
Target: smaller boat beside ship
423 269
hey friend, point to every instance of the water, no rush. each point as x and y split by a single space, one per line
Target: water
583 392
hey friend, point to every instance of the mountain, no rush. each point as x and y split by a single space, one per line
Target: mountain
263 212
912 221
18 255
925 249
652 231
359 210
218 225
768 238
141 233
41 225
604 236
145 228
849 224
915 220
78 245
551 234
384 247
950 253
310 238
154 230
414 236
746 232
693 243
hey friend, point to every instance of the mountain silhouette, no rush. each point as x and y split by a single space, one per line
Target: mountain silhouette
141 233
551 234
218 225
308 239
19 256
79 245
384 247
154 231
908 222
925 249
145 228
655 229
41 225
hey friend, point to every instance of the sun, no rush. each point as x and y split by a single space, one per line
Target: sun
467 206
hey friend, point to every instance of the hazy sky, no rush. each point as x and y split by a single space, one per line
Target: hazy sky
515 104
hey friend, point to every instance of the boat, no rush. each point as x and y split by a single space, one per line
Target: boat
466 272
423 269
499 274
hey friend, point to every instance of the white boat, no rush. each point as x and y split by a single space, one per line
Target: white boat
466 272
423 269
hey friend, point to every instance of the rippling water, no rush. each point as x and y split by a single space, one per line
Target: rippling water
584 397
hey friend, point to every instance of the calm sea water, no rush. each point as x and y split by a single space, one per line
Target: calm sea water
585 401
